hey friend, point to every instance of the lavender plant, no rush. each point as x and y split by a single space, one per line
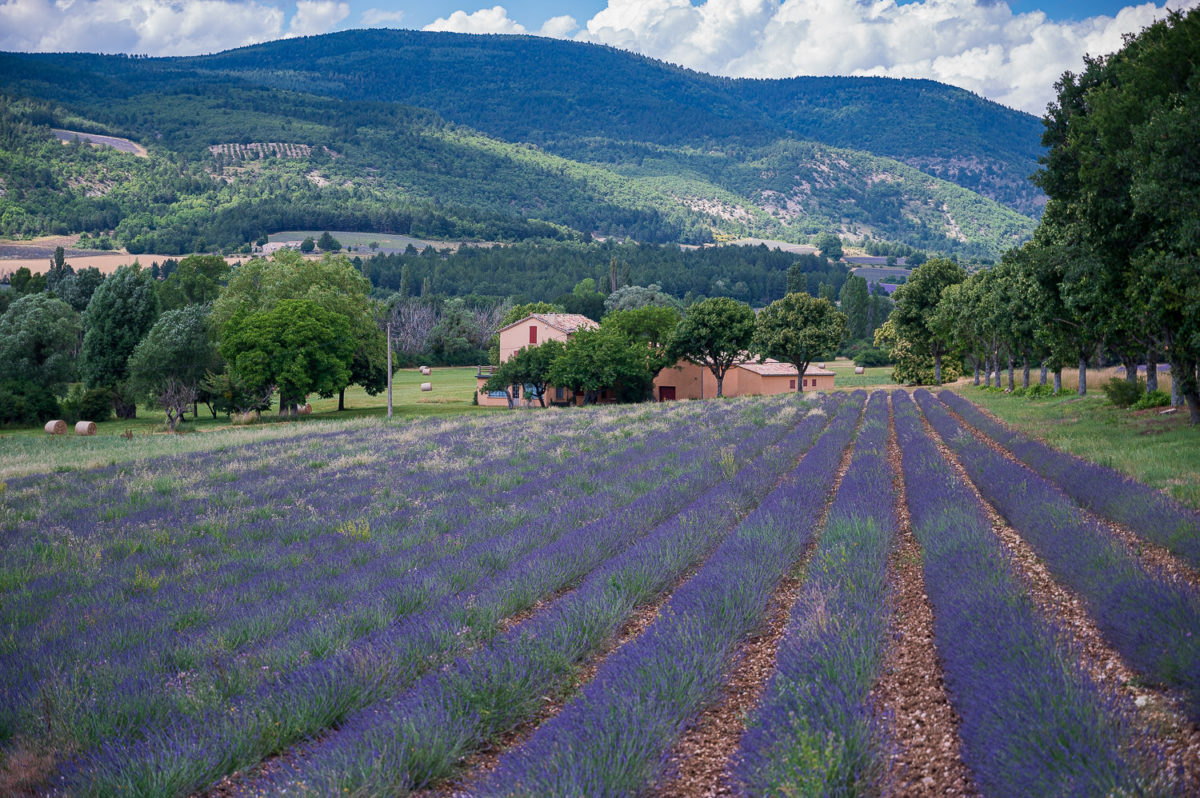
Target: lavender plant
303 700
813 734
393 749
1154 623
610 740
1032 721
1146 511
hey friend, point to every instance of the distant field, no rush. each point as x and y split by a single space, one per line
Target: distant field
388 242
124 145
875 274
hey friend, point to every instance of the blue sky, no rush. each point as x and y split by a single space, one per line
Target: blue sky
1010 51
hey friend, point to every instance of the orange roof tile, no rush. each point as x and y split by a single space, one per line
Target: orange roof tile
774 368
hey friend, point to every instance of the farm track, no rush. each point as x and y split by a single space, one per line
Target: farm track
925 756
1167 741
1159 559
700 763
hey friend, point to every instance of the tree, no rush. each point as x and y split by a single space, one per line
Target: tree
38 335
651 327
195 281
854 302
297 346
173 360
328 243
77 289
916 301
829 245
529 366
716 334
333 283
638 296
798 329
1120 174
601 359
120 313
307 245
452 336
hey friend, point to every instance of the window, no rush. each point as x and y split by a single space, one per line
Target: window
516 392
560 394
533 333
792 384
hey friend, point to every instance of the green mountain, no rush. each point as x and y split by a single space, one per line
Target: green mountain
499 137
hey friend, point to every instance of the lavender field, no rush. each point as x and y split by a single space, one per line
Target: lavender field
681 599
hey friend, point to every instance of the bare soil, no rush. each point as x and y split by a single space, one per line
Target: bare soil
1159 728
910 697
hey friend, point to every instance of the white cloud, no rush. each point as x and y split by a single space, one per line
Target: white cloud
156 27
317 16
485 20
559 27
984 47
380 18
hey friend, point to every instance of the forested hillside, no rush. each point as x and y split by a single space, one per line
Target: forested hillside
500 138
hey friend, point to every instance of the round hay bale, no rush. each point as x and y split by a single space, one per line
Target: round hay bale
56 427
85 427
426 370
427 386
306 409
820 365
859 370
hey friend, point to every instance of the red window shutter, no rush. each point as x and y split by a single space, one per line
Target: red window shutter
532 334
791 383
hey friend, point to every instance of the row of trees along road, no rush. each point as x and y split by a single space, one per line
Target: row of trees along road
631 346
1114 264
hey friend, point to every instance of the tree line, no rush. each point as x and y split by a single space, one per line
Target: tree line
1113 269
197 332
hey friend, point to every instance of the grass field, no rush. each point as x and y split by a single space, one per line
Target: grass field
32 450
1159 449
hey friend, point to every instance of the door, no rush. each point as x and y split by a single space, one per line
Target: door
666 393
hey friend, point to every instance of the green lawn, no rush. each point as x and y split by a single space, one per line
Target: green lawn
1160 450
27 451
874 377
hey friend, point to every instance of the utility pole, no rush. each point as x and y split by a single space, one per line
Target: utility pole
389 339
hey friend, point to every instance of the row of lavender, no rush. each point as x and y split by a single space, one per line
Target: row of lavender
1153 622
501 577
1103 490
402 746
1032 721
145 643
610 740
814 733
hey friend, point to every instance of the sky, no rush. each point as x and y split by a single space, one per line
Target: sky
1010 51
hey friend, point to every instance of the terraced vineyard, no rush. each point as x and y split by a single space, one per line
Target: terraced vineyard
782 596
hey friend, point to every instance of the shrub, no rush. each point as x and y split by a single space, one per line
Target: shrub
1123 393
91 405
25 404
872 356
1153 399
1038 391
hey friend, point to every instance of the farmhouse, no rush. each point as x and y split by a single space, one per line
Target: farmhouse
531 331
686 380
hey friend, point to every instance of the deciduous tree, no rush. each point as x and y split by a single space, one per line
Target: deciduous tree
715 334
798 329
